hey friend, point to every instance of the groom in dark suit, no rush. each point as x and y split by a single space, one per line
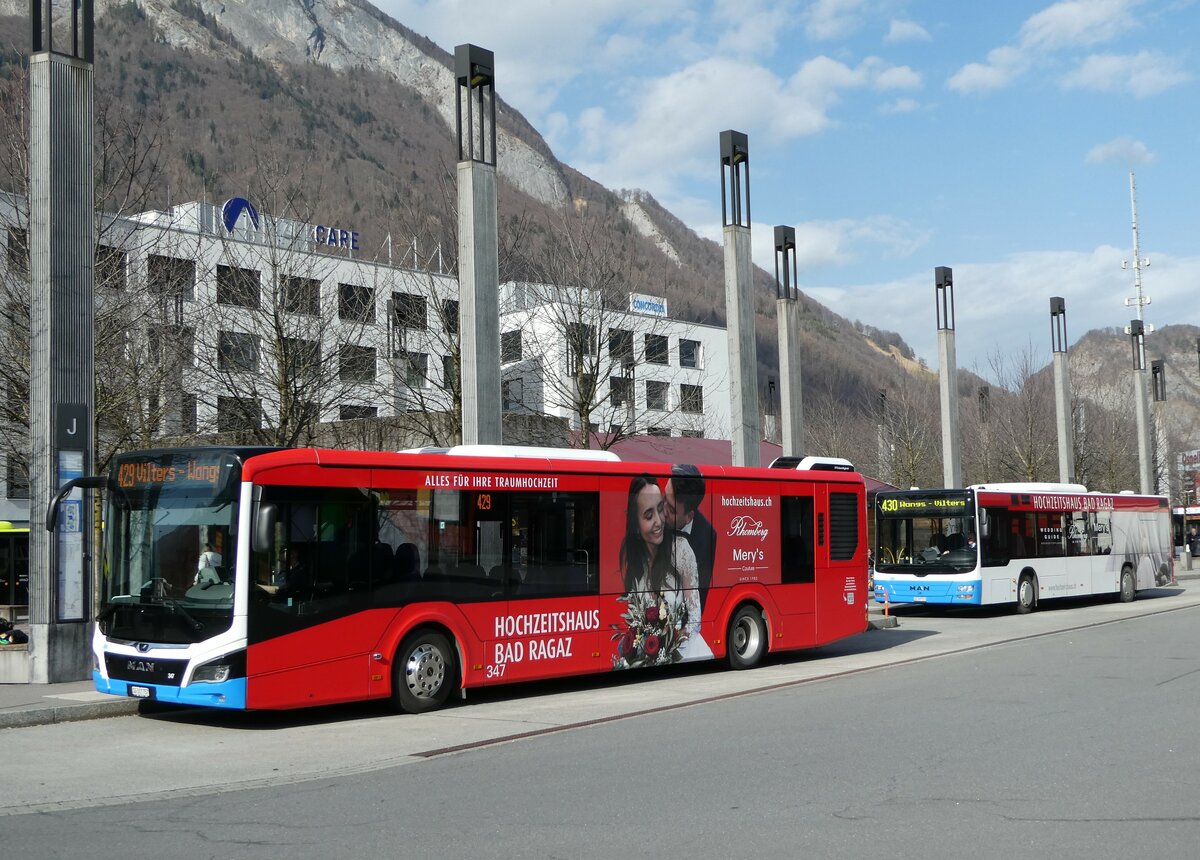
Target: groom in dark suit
682 495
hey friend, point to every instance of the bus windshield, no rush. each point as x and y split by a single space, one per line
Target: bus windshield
926 532
172 523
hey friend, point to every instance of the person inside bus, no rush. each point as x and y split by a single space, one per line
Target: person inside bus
937 545
208 567
292 575
971 541
657 560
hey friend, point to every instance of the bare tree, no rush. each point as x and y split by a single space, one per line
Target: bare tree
1025 430
572 346
909 435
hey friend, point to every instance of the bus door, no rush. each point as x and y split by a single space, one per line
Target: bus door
550 568
309 580
841 561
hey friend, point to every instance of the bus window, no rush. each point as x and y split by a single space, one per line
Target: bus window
796 542
552 539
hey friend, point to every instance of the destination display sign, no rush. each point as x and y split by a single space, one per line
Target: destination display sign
206 474
924 505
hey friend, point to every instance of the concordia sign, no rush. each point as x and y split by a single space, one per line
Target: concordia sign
651 305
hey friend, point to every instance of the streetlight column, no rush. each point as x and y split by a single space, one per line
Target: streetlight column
787 313
478 243
739 302
62 336
943 280
1062 390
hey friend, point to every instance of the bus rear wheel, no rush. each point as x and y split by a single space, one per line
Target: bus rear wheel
1128 587
1027 589
424 673
747 638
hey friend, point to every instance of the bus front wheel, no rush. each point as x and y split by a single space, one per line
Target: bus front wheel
1128 587
1027 589
424 673
747 638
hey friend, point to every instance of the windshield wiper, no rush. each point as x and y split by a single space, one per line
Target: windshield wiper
174 606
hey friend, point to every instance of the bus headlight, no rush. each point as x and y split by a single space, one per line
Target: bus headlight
211 673
966 589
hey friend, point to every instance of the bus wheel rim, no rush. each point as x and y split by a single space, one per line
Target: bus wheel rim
745 637
425 671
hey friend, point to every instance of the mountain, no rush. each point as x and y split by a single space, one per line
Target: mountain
337 104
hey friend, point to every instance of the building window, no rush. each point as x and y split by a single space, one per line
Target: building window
187 413
300 295
581 341
110 268
512 393
17 478
170 344
449 372
450 316
300 357
620 390
620 345
238 287
409 311
356 363
171 276
355 303
691 398
238 414
659 431
656 395
237 351
692 434
18 250
689 353
510 346
658 349
414 368
353 412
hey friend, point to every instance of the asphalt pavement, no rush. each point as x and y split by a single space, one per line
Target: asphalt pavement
40 704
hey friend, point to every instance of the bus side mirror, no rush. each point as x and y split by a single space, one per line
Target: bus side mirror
264 526
983 523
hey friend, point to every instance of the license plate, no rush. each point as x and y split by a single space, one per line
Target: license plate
919 600
139 692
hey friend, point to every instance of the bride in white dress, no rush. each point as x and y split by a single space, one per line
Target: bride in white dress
658 563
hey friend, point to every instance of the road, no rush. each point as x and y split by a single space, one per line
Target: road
1069 733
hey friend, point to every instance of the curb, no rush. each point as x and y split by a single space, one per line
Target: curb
883 622
68 713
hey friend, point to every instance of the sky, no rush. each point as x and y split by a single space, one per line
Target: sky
895 136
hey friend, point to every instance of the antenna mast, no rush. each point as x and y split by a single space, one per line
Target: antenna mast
1139 300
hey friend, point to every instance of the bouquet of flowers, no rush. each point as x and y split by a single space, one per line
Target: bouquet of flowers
651 633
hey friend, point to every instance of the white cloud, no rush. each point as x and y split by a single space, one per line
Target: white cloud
842 242
672 132
906 31
834 19
897 78
1078 23
1005 305
1063 25
1123 150
900 106
1143 74
1003 65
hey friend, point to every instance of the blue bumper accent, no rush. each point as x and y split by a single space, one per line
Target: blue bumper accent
941 593
229 694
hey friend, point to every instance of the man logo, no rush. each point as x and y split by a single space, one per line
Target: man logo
232 209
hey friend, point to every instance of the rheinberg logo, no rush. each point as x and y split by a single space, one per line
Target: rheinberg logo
232 209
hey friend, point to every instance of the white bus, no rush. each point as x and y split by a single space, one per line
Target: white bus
1018 543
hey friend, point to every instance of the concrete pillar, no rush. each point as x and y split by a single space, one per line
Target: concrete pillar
62 319
787 315
478 248
948 377
1062 390
745 433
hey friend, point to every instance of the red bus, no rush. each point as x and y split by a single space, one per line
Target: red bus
268 579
